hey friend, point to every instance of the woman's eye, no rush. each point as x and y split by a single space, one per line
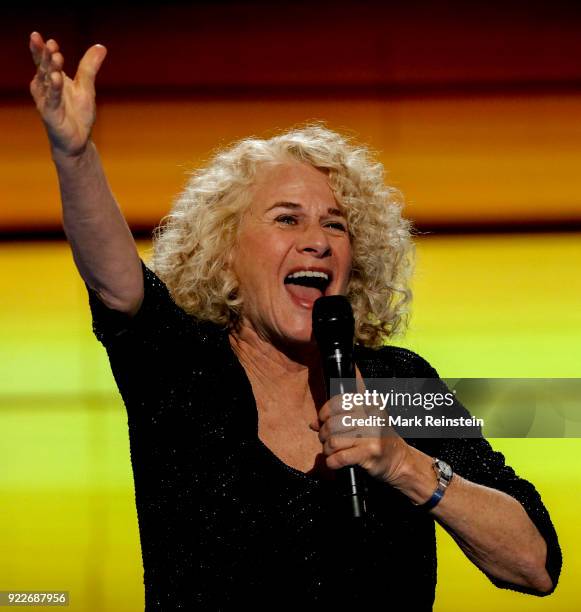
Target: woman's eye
286 219
337 225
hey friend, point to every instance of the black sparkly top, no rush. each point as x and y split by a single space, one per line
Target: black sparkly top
223 522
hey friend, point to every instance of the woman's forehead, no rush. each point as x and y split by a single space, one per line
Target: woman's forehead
292 182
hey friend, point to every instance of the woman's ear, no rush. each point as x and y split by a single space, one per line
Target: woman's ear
230 268
230 258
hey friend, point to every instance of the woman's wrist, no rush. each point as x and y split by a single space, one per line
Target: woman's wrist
66 161
417 478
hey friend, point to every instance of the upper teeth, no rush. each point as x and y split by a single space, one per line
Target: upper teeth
309 273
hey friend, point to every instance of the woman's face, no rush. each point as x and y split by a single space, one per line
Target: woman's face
293 248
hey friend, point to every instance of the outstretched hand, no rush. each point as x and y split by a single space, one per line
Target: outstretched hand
67 106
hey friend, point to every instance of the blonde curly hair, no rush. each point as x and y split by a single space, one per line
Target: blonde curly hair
192 244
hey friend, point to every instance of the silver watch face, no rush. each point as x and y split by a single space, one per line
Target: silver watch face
445 469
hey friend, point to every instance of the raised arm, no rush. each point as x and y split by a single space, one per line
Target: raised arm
103 247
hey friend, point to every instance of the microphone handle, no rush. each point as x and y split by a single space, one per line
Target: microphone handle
340 367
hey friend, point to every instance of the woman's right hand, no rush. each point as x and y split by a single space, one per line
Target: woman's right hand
67 106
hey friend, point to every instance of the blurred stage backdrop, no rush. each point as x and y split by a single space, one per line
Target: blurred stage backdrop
476 112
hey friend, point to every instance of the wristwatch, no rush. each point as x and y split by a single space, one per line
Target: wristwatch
444 473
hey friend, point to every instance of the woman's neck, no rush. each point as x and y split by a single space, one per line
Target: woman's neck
295 375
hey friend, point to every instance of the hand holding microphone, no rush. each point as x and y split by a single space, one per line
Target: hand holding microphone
334 329
379 450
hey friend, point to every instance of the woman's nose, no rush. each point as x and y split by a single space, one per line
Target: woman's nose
314 240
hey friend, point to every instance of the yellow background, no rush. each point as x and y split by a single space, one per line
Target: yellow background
505 305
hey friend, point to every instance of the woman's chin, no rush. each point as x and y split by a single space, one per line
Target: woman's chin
299 335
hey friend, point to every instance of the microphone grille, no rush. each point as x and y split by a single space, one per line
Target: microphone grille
333 321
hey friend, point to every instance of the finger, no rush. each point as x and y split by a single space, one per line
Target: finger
48 50
56 89
36 45
347 456
57 62
331 407
334 444
52 45
334 426
44 65
359 381
89 66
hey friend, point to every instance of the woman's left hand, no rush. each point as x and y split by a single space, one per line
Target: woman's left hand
371 444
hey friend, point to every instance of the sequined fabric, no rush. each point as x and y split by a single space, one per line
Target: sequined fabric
223 522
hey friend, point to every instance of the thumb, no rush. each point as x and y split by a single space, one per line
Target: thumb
89 65
314 425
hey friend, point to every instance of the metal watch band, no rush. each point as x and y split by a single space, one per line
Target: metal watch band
444 478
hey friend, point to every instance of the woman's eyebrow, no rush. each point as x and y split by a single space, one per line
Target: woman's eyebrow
295 206
289 205
335 212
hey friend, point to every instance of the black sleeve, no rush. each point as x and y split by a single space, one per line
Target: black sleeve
475 460
156 321
147 350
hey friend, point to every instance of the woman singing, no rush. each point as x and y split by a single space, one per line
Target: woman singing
234 448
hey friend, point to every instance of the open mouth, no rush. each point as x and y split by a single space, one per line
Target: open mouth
305 286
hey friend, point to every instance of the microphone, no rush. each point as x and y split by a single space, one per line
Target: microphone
334 329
